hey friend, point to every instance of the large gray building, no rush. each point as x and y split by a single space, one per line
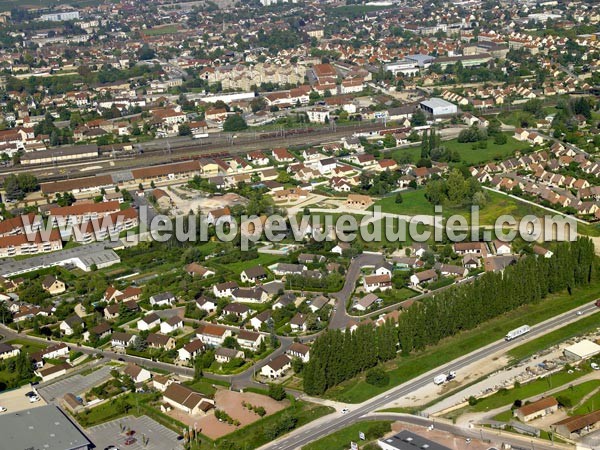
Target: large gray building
407 440
46 427
438 107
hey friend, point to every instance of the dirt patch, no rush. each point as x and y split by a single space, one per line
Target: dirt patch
231 403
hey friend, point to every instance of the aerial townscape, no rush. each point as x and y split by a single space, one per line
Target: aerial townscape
299 225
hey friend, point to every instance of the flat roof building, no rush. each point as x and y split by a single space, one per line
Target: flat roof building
438 107
407 440
46 427
582 350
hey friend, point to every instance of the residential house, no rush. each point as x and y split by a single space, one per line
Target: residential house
238 310
250 340
298 323
277 367
160 341
187 400
212 335
8 351
112 311
426 276
163 299
367 301
224 290
171 324
250 295
148 322
373 282
207 304
260 319
298 350
122 340
190 350
53 285
138 374
71 324
196 270
253 274
224 355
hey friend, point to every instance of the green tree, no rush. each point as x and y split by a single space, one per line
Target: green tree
234 122
276 392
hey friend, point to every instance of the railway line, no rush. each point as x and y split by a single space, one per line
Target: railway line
162 151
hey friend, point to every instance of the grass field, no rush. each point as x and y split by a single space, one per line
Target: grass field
581 327
257 433
591 404
415 203
27 346
507 397
340 440
405 368
263 259
160 31
573 395
492 152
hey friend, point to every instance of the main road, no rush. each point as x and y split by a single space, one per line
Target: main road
330 424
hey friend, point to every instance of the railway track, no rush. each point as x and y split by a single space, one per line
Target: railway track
162 152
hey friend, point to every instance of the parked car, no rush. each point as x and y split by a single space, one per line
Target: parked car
2 409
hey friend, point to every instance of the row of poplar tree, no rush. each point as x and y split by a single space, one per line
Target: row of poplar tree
337 356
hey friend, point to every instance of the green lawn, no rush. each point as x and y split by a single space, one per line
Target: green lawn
405 368
159 31
340 440
507 397
572 395
415 203
263 259
493 151
27 346
258 433
204 386
413 152
581 327
590 405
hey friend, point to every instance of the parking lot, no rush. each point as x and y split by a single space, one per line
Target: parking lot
77 384
16 400
157 436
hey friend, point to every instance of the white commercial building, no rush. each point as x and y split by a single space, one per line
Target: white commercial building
438 107
582 350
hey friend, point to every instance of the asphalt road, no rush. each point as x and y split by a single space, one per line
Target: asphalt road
340 317
314 431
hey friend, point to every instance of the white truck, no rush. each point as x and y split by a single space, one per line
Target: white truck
442 378
513 334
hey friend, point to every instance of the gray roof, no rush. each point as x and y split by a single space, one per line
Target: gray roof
98 253
44 427
406 440
62 151
436 103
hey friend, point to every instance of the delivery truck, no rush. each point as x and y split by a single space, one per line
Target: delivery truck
442 378
513 334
